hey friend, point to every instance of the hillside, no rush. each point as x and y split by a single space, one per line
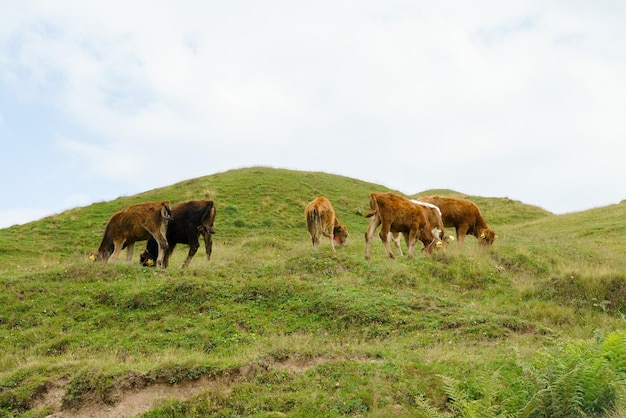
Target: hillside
249 201
268 327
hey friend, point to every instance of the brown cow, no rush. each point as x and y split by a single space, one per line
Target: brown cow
464 216
321 220
398 214
434 218
136 223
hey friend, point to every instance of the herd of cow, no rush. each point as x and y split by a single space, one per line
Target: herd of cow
422 220
164 227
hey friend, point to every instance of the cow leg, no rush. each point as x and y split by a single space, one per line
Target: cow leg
411 244
168 254
315 233
406 239
384 235
395 237
461 231
130 248
163 257
208 244
317 237
160 235
117 249
332 239
194 244
311 230
374 222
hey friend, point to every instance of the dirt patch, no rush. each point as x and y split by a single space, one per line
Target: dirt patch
131 399
51 394
138 401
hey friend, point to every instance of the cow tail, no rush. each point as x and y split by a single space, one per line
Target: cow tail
205 216
206 213
315 220
373 207
314 215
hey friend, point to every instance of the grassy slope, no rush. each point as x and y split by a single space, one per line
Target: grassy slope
375 337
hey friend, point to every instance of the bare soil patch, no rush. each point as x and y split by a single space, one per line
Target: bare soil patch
133 397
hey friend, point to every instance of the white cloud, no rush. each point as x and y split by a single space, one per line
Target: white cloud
503 95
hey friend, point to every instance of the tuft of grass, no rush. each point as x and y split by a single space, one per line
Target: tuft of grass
605 292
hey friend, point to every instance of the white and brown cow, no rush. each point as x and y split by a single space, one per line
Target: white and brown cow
434 218
464 216
397 214
321 220
138 222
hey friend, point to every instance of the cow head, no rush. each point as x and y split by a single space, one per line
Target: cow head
204 229
146 259
486 237
340 234
438 240
446 240
441 239
97 256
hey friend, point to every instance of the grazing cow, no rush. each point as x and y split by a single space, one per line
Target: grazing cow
321 220
135 223
464 216
398 214
434 218
191 219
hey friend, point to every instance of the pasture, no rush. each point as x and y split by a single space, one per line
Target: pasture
534 326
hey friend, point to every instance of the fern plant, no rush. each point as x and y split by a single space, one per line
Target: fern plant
425 409
574 379
578 379
485 399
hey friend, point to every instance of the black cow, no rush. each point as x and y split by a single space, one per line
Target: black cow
190 220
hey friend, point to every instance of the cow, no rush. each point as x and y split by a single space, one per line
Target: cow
464 216
137 222
398 214
434 218
321 220
191 219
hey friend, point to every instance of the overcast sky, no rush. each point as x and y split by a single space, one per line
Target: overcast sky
519 99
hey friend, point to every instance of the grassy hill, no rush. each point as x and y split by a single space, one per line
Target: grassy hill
532 327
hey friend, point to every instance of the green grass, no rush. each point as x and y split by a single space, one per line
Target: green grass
275 328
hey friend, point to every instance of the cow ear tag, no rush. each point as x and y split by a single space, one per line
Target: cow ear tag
92 257
482 236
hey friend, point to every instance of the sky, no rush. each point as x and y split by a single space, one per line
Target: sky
518 99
